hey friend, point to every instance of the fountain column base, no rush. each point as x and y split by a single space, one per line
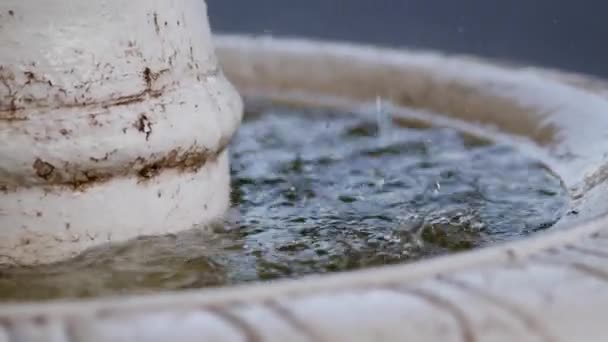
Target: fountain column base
115 119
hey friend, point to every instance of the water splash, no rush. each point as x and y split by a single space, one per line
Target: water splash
384 121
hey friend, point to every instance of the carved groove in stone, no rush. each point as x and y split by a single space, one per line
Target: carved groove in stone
249 333
534 325
70 331
466 327
6 329
290 317
590 271
580 267
588 251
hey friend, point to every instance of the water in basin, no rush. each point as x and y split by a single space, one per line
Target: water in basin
316 191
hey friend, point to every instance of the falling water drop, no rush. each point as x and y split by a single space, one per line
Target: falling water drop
383 120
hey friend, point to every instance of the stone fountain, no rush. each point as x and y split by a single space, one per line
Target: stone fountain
115 117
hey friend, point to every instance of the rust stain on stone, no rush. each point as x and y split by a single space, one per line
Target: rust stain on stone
14 102
150 76
144 125
156 26
13 105
80 179
104 158
190 160
126 100
13 117
30 76
43 169
10 113
93 120
84 179
77 179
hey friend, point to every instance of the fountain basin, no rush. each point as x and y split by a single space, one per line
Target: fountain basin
552 286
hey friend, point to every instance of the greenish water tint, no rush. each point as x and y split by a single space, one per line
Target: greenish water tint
324 192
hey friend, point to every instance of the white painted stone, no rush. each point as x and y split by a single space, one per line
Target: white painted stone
114 120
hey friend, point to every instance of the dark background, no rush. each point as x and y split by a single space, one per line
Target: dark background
571 35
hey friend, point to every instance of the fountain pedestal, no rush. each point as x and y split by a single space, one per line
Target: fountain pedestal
114 122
